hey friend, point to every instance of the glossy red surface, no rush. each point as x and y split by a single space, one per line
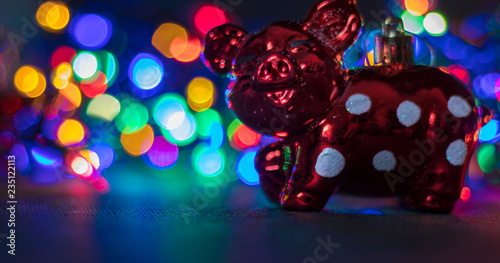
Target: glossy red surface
405 131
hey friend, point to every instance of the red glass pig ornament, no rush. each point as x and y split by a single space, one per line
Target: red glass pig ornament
393 130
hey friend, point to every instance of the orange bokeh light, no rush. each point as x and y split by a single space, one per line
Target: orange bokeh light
186 51
417 7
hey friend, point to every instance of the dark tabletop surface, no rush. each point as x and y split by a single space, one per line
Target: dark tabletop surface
150 219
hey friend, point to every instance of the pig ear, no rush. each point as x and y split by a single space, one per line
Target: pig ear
221 45
336 23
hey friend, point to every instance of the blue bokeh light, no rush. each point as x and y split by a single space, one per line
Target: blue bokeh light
246 169
47 156
216 136
211 163
146 71
106 154
91 31
489 133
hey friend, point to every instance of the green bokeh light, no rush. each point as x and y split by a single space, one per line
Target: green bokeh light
486 157
204 121
131 118
413 24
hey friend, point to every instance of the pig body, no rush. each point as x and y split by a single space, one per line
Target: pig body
381 131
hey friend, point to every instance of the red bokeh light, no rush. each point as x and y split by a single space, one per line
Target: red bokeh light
209 17
62 54
465 195
94 86
244 137
460 72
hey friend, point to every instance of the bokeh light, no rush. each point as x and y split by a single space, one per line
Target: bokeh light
208 17
131 118
30 81
246 169
69 98
435 24
85 65
91 157
205 120
465 194
200 93
216 136
70 132
81 166
460 72
94 86
105 153
244 137
91 31
169 111
52 16
49 127
146 71
486 157
25 118
490 132
26 79
62 75
183 51
62 54
165 35
417 7
184 134
413 24
138 142
22 160
207 163
47 156
163 153
105 107
109 66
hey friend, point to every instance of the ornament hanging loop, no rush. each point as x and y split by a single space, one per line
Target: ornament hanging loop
394 47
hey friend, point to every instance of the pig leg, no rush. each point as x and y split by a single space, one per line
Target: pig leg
438 187
269 164
318 174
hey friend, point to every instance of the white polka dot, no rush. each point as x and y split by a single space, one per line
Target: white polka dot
408 113
456 152
384 161
358 104
330 163
459 107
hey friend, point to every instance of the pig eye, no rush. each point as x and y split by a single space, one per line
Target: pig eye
245 59
301 45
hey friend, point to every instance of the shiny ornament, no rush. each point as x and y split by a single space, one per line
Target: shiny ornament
391 130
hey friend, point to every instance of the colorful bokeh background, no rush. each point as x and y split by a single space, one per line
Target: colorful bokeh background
88 86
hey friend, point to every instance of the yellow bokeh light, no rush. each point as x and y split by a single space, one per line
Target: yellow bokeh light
165 35
200 90
199 107
29 81
60 83
417 7
26 79
52 16
138 142
69 98
70 132
64 70
62 75
104 107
